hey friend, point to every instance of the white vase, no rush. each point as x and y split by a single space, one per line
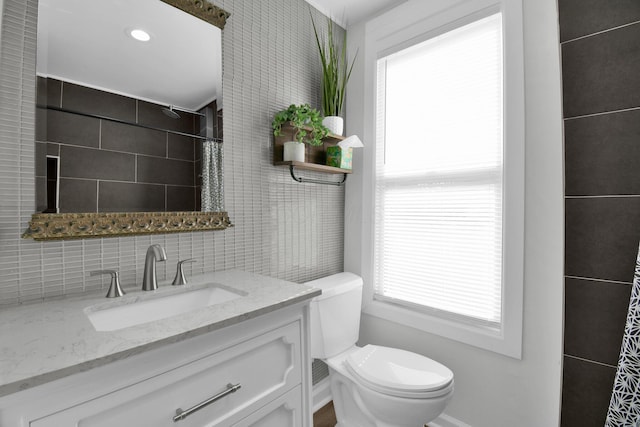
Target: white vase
293 151
335 124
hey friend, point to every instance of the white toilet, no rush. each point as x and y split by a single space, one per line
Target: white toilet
372 386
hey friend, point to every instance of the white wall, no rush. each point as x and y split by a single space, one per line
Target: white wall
493 390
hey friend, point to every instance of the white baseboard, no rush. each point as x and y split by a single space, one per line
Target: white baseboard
321 394
445 420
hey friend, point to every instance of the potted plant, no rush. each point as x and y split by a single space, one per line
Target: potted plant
307 124
336 72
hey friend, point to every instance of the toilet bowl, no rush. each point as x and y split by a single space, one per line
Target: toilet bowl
371 385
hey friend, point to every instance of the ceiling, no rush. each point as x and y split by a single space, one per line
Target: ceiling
349 12
87 42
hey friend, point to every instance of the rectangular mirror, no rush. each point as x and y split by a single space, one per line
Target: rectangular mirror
129 115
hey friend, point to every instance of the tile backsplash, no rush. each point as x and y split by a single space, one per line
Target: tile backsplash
282 228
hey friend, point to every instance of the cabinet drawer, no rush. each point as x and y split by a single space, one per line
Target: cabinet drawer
265 367
285 411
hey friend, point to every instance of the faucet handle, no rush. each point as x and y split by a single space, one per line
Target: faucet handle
114 288
180 280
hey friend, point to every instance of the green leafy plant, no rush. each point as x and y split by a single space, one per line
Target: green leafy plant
306 120
336 70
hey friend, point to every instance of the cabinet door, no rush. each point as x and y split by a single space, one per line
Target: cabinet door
286 411
265 367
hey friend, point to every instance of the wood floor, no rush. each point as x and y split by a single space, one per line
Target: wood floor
325 417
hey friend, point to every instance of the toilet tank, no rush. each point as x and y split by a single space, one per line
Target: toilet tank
335 315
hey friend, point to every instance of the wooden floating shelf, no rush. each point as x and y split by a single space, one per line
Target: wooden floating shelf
315 157
313 167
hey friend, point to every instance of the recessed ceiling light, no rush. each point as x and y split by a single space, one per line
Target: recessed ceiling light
140 35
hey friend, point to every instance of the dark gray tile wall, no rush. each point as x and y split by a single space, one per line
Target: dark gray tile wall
87 163
596 314
599 72
600 43
585 392
597 145
107 156
92 101
149 114
580 18
601 236
165 171
78 195
122 137
129 197
72 129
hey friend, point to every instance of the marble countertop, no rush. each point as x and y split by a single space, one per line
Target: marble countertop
45 341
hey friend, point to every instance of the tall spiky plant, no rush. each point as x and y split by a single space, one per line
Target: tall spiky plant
336 70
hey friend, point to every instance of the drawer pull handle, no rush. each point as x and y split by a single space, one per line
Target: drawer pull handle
181 415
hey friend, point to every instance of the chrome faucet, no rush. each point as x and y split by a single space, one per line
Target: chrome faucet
149 280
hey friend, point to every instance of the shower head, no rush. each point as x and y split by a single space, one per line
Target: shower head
170 112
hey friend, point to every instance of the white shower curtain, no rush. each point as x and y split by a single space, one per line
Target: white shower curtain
212 187
624 408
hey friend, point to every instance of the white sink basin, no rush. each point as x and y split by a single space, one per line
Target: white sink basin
139 310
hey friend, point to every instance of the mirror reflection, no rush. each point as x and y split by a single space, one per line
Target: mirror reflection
129 108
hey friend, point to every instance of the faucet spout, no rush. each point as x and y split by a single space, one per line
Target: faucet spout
149 279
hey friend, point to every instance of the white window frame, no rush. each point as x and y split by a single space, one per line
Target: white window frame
405 26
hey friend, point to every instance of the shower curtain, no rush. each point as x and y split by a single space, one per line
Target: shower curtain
212 187
624 408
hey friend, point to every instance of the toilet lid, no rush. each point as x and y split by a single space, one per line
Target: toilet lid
400 370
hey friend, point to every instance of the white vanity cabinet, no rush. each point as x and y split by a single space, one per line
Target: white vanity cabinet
265 358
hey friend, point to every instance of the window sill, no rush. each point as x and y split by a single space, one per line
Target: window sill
485 338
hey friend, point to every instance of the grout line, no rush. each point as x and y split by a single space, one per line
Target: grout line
602 113
604 196
591 361
601 32
598 280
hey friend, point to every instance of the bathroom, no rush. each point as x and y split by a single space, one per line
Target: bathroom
574 225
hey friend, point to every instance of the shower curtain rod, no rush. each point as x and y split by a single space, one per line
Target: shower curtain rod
111 119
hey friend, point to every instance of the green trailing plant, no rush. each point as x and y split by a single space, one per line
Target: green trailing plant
307 122
336 70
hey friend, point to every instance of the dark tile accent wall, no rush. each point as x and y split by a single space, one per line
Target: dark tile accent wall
165 171
108 166
87 163
72 129
93 101
122 137
579 18
150 114
600 43
182 147
599 72
129 197
597 145
585 393
181 196
78 195
595 319
601 236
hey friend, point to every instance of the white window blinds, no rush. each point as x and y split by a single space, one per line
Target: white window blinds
439 169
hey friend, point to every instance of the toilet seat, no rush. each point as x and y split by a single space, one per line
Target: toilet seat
399 373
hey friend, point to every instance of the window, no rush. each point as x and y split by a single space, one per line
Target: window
447 198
